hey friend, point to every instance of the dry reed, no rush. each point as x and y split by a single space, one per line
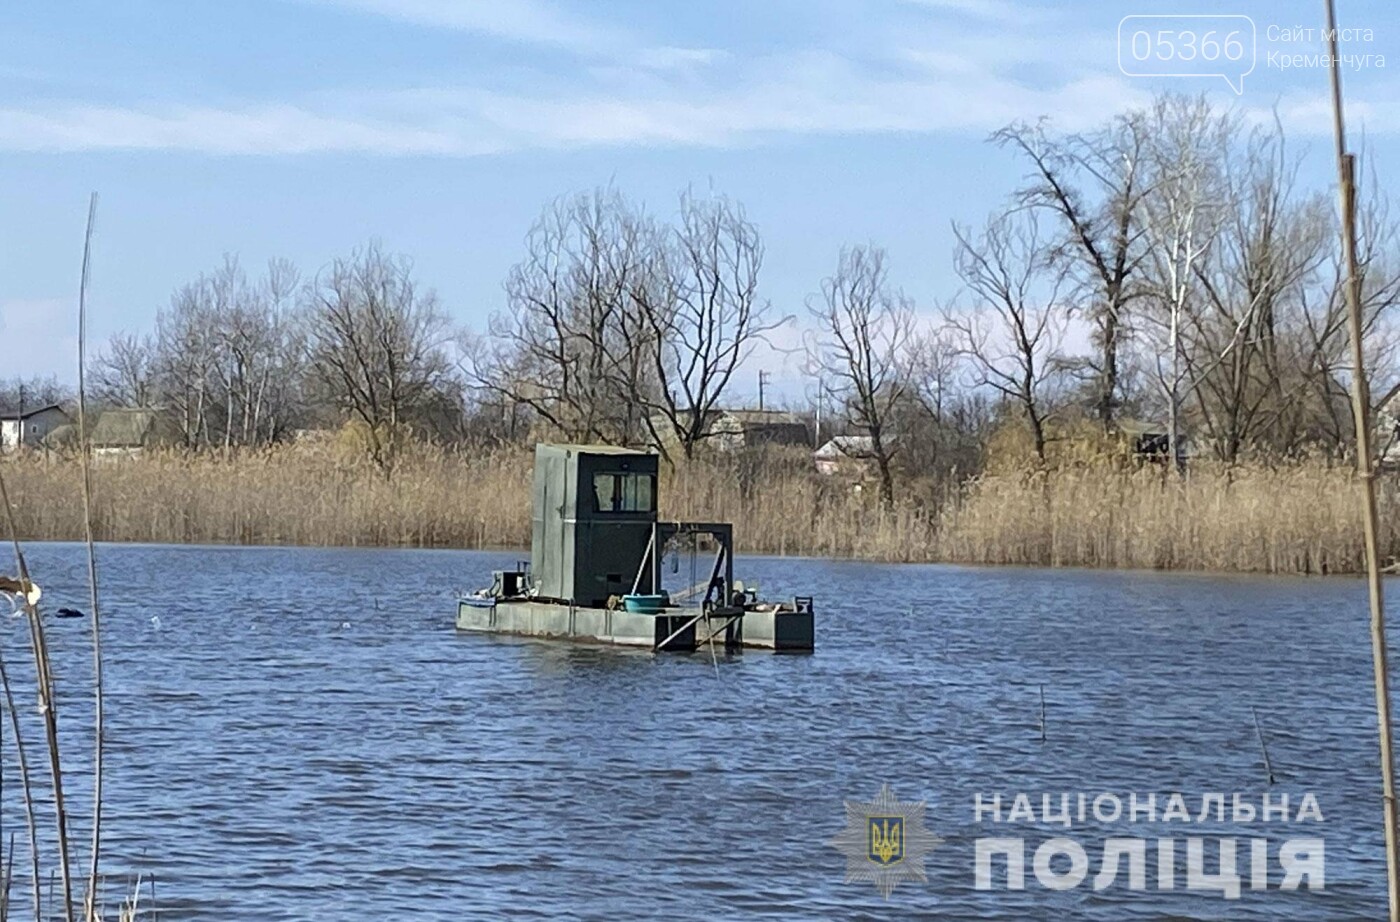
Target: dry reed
1294 518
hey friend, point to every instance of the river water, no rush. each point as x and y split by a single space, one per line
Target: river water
301 734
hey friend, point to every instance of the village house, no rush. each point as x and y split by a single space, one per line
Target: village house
28 426
731 430
848 455
121 432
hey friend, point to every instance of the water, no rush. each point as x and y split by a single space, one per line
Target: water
301 734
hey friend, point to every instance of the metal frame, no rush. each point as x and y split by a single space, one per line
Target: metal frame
662 532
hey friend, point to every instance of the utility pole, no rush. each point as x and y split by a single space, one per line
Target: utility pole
762 382
1365 466
19 423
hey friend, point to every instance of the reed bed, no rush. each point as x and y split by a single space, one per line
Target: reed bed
1301 517
285 496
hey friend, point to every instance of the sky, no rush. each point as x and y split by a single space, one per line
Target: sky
305 128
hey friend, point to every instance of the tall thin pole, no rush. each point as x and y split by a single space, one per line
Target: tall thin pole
1365 466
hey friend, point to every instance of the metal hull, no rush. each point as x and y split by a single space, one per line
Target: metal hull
779 631
567 622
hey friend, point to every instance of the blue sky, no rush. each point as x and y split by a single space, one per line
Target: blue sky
302 128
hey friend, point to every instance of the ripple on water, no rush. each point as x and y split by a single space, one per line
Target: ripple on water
281 747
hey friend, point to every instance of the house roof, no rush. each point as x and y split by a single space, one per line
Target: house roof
845 446
762 417
123 428
744 419
13 413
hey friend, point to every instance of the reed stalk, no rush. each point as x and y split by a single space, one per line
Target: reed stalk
43 674
29 821
85 457
1365 465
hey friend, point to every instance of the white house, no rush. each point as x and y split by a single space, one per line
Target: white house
28 427
844 453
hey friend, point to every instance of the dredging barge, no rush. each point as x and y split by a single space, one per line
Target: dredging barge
597 561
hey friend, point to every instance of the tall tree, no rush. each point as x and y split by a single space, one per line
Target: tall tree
1093 183
185 353
864 332
1183 217
700 315
124 373
1322 323
1013 331
225 362
376 342
1269 246
564 346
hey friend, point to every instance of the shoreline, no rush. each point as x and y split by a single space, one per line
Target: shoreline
524 553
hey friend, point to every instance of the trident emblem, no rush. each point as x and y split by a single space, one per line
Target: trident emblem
886 839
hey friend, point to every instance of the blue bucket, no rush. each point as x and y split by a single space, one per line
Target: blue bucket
644 604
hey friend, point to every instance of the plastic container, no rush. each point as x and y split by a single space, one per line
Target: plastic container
644 604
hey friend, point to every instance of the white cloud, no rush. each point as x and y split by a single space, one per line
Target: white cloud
724 106
259 129
802 94
660 95
517 20
670 57
1003 11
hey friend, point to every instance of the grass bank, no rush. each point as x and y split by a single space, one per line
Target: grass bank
1297 518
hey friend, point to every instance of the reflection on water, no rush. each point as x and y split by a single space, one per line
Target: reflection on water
300 734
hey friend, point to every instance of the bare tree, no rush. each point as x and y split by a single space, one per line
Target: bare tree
276 399
699 314
933 439
258 352
935 361
562 347
1325 360
864 332
1268 247
1183 216
1093 183
225 363
1013 332
184 357
376 343
124 372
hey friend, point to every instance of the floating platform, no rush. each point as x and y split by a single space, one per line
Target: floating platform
781 628
596 572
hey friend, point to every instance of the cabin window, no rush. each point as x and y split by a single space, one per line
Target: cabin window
624 492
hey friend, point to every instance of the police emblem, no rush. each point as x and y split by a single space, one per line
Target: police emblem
885 841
